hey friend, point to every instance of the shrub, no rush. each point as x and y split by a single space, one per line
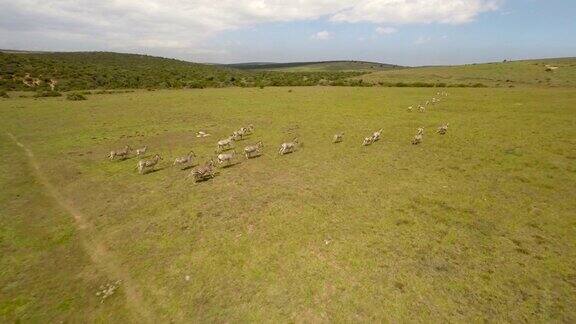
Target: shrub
4 94
422 85
43 94
75 96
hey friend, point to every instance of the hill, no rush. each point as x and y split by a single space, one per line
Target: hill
97 70
558 72
316 66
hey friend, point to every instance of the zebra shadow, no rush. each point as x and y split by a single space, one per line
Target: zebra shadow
254 156
124 159
188 167
229 165
205 179
155 170
218 151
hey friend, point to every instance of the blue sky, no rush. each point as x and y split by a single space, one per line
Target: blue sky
406 32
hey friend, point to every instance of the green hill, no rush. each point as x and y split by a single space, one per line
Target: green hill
105 70
559 72
317 66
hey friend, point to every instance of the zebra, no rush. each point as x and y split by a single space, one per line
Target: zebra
204 172
225 144
243 131
418 137
184 159
253 150
442 129
144 165
288 147
123 153
338 138
249 129
238 135
141 151
376 135
368 140
226 157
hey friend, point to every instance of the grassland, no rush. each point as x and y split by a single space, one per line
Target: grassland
323 66
531 73
476 225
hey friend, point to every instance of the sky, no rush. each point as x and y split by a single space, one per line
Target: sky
404 32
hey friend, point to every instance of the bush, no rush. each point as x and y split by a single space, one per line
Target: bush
75 96
43 94
4 94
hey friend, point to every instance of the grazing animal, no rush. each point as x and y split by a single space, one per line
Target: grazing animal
421 108
338 138
183 160
141 151
123 153
418 137
253 150
225 144
288 147
238 135
204 172
145 165
202 134
243 131
376 135
410 108
368 140
442 129
226 157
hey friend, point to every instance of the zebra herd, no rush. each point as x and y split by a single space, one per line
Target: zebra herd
225 157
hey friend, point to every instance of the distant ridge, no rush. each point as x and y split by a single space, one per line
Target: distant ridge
343 65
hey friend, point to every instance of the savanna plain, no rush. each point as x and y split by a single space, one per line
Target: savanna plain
477 224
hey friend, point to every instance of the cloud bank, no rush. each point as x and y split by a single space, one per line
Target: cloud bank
185 24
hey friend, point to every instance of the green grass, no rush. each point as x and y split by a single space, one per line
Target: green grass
475 225
530 73
45 275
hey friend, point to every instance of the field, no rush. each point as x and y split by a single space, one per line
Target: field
476 225
530 73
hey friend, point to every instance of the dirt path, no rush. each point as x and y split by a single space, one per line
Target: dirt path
98 252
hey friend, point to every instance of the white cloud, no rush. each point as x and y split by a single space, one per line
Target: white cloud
415 11
385 30
423 40
322 35
186 24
